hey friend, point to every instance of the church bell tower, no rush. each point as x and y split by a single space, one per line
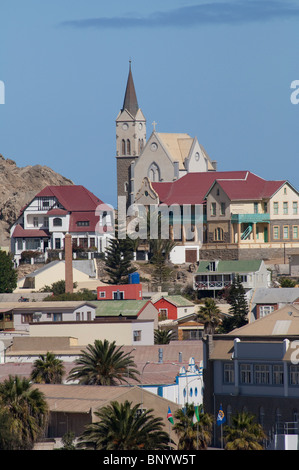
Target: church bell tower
130 138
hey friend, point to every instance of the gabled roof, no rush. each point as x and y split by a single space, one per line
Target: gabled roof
282 322
72 197
177 300
193 188
231 266
115 308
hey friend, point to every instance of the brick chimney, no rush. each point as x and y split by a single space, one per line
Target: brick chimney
68 257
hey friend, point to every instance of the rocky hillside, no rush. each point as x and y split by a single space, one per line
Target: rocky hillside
17 187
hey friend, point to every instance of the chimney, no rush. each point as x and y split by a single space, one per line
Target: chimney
68 260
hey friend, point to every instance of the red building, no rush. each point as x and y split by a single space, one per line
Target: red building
173 307
120 292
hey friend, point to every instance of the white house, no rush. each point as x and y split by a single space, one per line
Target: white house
57 210
216 275
187 388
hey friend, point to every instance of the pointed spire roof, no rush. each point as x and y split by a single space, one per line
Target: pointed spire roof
130 100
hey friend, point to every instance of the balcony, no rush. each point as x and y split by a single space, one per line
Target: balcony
250 218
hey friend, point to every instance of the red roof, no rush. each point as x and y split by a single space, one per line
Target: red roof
194 187
72 197
56 212
20 232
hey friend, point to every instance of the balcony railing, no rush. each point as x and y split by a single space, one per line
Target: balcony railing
212 284
250 218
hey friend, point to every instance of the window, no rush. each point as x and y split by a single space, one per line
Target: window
137 335
256 207
295 231
284 190
35 221
102 295
46 222
57 222
286 231
20 244
83 223
266 309
32 243
285 208
243 277
222 208
57 316
278 375
46 203
276 232
218 234
228 374
88 316
294 375
213 208
275 208
163 314
262 374
265 207
57 243
77 316
118 295
245 374
128 147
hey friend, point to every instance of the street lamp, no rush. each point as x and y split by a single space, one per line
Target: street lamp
147 362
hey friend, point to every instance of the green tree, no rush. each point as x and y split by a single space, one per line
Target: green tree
162 336
47 369
287 282
238 310
57 288
103 364
121 427
210 315
193 435
8 274
119 256
244 433
27 410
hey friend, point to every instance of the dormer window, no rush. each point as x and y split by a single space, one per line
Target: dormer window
83 223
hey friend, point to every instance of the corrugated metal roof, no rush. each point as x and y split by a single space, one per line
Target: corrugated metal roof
232 266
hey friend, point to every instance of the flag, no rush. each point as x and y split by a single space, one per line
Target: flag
169 415
221 416
196 415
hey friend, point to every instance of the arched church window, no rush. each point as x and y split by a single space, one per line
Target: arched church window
123 147
154 172
128 147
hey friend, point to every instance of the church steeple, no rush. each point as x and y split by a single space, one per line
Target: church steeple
130 100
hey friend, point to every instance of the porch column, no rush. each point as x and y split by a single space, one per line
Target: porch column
254 231
239 233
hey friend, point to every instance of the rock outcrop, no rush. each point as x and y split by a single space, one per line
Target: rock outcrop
18 186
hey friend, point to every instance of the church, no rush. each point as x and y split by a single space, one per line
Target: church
242 216
164 157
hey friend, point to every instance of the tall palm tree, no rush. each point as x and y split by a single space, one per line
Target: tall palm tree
47 369
27 409
121 427
103 364
163 336
210 315
244 433
193 436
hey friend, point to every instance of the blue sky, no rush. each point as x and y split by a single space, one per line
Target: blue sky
218 70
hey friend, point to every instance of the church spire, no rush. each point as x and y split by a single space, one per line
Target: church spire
130 100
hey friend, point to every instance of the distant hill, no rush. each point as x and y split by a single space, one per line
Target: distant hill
18 186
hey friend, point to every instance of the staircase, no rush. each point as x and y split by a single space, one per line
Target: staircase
246 232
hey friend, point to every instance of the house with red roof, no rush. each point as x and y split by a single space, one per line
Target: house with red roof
230 215
57 210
